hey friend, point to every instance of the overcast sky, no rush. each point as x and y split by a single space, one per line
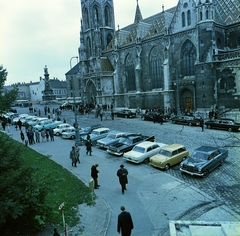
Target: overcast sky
35 33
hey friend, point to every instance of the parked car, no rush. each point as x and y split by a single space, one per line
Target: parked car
203 160
224 124
169 156
89 129
46 124
35 122
125 113
143 151
186 120
96 135
127 142
150 116
61 128
111 138
69 133
29 118
20 117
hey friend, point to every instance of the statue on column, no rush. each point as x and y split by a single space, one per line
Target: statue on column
48 94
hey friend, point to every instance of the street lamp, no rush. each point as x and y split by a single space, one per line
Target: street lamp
77 141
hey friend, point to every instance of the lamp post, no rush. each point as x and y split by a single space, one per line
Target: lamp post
77 141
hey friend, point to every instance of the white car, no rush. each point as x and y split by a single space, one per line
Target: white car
143 151
29 118
69 133
35 122
61 128
20 117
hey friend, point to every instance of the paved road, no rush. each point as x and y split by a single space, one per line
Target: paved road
154 196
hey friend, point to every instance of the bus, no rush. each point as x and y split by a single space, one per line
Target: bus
21 103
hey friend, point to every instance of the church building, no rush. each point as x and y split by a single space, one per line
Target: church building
186 57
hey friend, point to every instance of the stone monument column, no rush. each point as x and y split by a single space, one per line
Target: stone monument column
48 94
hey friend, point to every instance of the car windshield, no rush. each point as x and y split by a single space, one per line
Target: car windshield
126 141
139 149
95 133
111 136
88 129
165 153
200 155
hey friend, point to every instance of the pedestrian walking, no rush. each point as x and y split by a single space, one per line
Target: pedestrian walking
43 135
19 123
47 135
22 136
89 146
55 233
122 174
112 115
125 223
202 124
73 157
77 151
51 134
94 175
37 135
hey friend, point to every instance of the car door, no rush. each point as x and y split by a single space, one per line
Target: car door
173 159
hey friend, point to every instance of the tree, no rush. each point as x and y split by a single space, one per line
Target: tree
22 198
6 98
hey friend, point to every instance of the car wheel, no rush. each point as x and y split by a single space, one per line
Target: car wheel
230 129
146 161
142 118
173 121
58 134
209 126
167 166
94 143
184 158
190 124
205 173
72 137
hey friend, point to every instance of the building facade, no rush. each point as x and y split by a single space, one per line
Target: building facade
186 57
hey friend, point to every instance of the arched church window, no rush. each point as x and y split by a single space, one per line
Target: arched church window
231 83
86 19
183 20
238 40
89 47
200 15
107 16
155 69
219 43
189 17
130 74
95 13
188 58
109 38
207 14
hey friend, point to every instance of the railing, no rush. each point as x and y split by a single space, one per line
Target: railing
223 56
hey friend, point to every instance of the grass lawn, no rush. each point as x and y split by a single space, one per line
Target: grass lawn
63 185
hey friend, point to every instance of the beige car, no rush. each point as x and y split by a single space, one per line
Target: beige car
169 155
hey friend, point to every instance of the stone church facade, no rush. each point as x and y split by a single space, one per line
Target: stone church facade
186 57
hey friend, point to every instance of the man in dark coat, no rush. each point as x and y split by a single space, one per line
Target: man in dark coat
122 175
94 175
125 223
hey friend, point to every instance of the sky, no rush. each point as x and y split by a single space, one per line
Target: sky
39 33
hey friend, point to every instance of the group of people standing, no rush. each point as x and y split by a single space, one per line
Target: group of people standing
33 136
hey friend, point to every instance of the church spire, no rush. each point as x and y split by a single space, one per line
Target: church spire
138 14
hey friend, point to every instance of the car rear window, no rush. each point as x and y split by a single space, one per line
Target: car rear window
139 149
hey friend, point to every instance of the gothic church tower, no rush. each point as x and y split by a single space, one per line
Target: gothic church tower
98 27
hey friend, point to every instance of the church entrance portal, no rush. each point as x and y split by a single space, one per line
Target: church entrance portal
91 94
